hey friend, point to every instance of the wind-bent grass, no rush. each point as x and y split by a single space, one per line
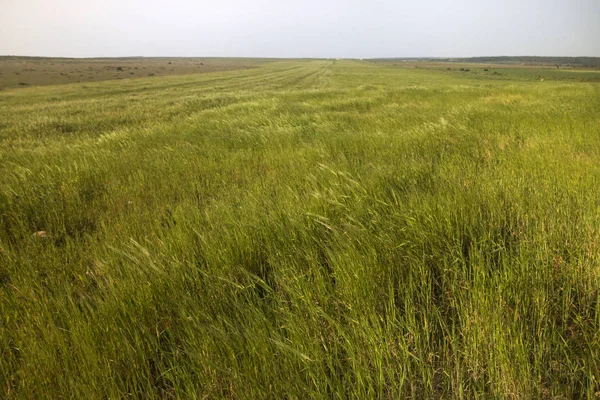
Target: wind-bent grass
301 230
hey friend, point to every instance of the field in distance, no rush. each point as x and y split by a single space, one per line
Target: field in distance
499 71
302 229
34 71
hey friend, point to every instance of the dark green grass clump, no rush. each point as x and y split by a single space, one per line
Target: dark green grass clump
301 230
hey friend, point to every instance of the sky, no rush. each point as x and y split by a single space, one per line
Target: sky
299 28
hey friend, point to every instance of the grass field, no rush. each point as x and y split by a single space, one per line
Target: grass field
37 71
322 229
503 71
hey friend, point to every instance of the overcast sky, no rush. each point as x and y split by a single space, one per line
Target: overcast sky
299 28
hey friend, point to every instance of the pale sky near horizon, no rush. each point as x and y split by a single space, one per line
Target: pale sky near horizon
293 28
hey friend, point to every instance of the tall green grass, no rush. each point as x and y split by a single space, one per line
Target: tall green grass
301 230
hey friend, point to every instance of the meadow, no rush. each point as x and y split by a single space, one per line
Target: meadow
303 229
37 71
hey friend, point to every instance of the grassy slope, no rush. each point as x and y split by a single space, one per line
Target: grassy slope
319 229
